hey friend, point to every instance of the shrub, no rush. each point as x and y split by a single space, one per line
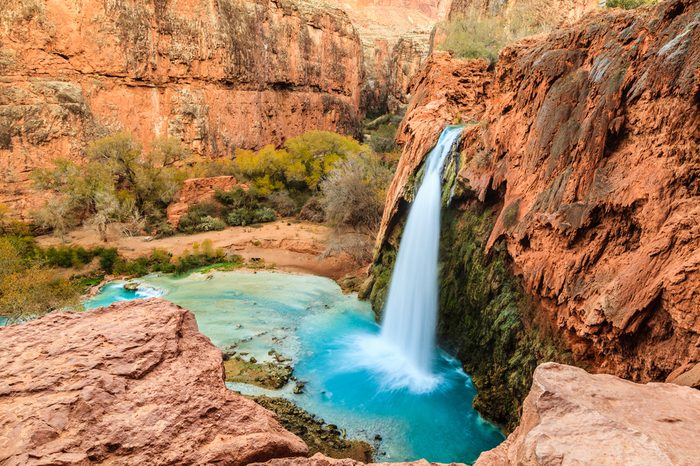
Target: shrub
118 183
481 34
202 256
475 35
628 4
300 165
68 256
283 203
108 258
27 288
354 193
199 217
209 223
312 211
239 197
244 216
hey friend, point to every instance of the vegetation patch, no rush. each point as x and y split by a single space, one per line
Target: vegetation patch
629 4
480 33
319 436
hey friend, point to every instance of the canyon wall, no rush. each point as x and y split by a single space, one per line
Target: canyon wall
395 36
216 75
573 233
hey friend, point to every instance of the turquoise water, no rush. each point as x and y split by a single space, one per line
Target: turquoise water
310 320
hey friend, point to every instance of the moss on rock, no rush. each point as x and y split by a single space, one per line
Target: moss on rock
270 375
319 436
485 319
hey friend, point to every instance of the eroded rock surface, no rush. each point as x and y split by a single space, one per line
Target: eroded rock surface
216 75
572 417
197 190
588 139
134 383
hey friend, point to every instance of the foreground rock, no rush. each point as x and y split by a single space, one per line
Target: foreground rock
134 383
572 417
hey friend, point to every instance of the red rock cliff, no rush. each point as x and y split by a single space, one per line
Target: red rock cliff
218 75
589 137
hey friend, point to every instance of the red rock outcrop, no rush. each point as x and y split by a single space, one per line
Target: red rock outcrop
590 138
195 190
572 417
134 383
217 75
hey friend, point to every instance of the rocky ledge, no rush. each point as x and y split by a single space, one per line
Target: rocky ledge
573 417
133 383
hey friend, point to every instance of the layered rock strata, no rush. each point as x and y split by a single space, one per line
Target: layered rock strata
216 75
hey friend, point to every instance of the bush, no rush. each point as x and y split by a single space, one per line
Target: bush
108 258
354 193
119 183
244 216
475 35
201 217
313 211
239 197
481 34
27 287
283 203
300 165
68 256
629 4
202 256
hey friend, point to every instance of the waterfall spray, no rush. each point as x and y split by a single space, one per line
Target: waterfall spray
403 352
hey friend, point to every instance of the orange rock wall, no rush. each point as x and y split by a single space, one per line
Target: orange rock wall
590 137
218 75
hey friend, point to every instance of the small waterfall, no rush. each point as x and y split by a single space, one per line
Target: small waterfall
410 313
402 354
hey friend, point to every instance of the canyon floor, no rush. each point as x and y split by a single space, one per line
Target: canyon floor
286 245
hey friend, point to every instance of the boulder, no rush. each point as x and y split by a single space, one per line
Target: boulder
133 383
573 417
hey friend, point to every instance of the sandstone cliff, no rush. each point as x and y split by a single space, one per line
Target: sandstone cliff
395 36
572 417
134 383
586 152
217 75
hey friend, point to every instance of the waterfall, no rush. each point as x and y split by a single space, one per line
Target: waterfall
402 354
410 313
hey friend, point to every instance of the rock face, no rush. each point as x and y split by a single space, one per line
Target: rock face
217 75
572 417
134 383
395 36
196 190
587 148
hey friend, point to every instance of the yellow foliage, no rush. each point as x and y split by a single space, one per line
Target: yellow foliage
302 164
